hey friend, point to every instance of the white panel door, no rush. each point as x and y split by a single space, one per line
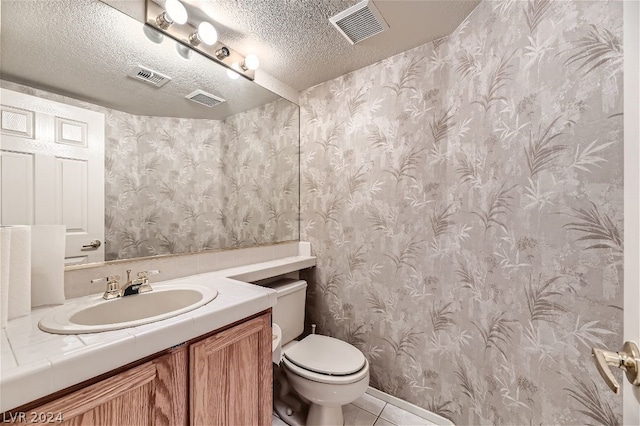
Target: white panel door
16 174
52 170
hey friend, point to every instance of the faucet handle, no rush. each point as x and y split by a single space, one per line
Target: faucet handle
113 286
145 274
110 279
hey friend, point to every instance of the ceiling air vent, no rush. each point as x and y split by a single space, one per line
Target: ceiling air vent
204 98
149 76
359 22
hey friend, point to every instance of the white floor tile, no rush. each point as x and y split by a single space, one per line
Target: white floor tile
277 421
356 416
402 418
383 422
370 403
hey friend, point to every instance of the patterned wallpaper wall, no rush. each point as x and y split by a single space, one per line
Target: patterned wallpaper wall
465 202
183 185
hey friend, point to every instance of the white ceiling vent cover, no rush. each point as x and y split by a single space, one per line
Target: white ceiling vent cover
359 22
204 98
149 76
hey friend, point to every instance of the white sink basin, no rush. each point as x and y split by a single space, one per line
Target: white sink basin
94 314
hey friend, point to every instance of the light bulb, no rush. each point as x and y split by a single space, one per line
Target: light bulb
231 73
152 34
207 33
175 12
251 62
183 51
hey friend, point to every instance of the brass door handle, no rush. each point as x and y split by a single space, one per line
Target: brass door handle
627 359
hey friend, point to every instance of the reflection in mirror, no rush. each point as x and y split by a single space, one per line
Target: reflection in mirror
179 176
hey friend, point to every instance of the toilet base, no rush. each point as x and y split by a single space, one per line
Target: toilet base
289 416
325 415
289 406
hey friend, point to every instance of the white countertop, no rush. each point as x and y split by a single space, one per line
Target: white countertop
36 364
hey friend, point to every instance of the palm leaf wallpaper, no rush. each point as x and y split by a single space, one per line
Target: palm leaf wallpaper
177 185
183 185
465 202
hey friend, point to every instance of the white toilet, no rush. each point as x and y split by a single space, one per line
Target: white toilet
325 371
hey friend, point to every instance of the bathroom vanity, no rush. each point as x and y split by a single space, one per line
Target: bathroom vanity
221 378
211 365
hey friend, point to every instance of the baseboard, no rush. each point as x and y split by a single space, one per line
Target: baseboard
407 406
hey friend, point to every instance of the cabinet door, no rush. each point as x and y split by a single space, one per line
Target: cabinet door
231 376
154 393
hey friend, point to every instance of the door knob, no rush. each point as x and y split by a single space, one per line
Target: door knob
627 359
92 245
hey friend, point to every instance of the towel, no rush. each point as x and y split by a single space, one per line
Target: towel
5 250
20 272
47 264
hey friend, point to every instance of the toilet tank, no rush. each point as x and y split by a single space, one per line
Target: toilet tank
288 313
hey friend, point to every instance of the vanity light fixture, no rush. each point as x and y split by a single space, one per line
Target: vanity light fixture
152 34
233 75
251 62
201 37
206 34
175 13
183 51
222 53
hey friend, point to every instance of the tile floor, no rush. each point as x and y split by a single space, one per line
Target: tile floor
371 411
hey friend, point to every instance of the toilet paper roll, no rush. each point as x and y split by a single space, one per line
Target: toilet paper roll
276 343
20 272
47 264
5 254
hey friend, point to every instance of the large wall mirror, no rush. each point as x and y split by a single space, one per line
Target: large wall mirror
179 177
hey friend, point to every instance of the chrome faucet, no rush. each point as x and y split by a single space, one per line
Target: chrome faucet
140 284
136 286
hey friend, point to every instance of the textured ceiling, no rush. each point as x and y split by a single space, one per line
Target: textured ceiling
298 45
84 48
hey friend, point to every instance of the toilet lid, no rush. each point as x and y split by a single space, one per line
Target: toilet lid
326 355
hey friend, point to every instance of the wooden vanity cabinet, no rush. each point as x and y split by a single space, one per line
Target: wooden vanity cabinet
154 393
224 378
231 376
